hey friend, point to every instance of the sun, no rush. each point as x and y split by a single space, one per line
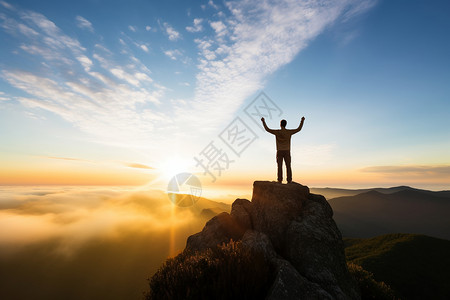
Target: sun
175 165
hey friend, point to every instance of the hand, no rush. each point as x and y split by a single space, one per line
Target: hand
303 119
262 119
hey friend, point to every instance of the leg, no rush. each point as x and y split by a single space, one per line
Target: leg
287 160
279 166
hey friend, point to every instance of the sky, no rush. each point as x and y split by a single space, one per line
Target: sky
131 93
103 103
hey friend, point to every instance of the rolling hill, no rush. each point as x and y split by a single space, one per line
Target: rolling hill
415 266
401 209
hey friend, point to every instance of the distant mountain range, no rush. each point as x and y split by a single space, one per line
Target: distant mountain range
371 212
365 213
415 266
331 193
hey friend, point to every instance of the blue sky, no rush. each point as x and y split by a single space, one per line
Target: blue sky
95 85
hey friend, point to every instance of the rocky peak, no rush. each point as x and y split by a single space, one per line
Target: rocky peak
295 231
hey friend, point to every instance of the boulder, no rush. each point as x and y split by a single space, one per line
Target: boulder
220 229
259 242
289 284
275 205
241 211
297 235
316 250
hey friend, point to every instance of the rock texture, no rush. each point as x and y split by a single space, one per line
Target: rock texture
295 231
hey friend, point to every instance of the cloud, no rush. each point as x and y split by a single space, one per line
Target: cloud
86 62
148 28
347 37
64 238
139 166
197 27
94 109
80 214
4 97
112 95
53 37
132 28
76 215
358 9
171 32
219 28
115 103
211 3
173 54
84 24
127 164
441 171
65 158
144 48
254 41
7 5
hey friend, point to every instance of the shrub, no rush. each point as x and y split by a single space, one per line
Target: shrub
229 271
370 288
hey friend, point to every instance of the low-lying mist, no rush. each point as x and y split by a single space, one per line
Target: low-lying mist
86 243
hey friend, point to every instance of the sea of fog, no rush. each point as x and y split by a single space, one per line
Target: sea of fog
88 242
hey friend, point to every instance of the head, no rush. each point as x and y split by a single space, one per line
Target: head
283 123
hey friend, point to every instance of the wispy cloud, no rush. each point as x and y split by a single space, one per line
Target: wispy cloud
212 4
6 5
411 170
132 28
253 42
106 99
65 158
4 97
115 163
112 94
84 24
139 166
359 8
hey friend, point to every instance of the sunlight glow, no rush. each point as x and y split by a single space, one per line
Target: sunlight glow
173 166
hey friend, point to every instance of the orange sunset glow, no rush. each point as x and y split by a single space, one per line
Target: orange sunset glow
126 126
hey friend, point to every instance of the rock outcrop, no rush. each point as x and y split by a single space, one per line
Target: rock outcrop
295 232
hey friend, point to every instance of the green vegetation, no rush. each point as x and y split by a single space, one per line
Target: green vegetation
370 288
415 266
230 271
390 266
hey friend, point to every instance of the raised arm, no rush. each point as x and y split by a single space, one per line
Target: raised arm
300 126
267 128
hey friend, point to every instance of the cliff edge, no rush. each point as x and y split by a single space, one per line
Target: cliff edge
294 231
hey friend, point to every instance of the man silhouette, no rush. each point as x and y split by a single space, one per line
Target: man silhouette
283 138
